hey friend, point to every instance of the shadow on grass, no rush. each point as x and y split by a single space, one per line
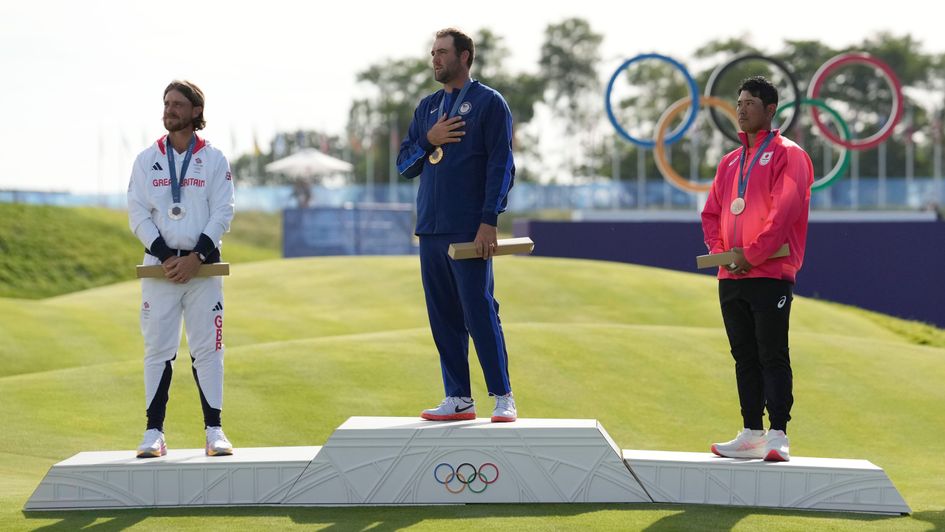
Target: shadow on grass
936 519
379 518
698 517
376 518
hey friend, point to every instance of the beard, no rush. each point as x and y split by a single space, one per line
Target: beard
445 75
175 124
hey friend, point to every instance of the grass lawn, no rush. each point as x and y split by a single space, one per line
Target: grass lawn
313 341
47 251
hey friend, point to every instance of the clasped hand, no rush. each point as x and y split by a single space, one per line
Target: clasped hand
181 269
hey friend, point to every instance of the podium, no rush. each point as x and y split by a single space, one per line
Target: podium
184 477
401 460
802 483
409 461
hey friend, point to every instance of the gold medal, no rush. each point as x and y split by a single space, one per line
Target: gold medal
738 205
436 156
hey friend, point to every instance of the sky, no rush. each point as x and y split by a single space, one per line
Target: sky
83 81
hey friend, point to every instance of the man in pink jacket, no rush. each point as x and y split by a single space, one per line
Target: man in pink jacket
759 201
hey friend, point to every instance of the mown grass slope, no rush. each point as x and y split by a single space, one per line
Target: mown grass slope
46 251
313 341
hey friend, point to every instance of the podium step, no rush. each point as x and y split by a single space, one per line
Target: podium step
390 460
408 461
184 477
802 483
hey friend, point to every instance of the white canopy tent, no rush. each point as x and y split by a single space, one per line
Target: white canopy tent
309 163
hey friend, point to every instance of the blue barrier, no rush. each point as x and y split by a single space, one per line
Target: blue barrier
385 229
894 267
864 193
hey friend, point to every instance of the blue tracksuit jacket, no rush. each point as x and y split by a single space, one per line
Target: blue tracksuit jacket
471 184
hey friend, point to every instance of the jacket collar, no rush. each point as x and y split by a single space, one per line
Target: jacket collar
759 137
162 144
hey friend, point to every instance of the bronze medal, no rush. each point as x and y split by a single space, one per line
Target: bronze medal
738 205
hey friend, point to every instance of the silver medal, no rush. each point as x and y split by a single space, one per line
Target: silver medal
738 205
176 211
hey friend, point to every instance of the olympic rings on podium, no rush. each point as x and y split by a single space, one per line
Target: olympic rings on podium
466 480
844 160
817 83
659 152
693 92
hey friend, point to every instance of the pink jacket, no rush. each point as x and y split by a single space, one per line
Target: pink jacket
777 202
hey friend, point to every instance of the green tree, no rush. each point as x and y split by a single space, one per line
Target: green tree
569 62
522 91
491 54
376 123
570 58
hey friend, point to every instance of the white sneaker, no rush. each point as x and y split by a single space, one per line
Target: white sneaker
777 448
152 445
504 409
217 444
747 444
452 409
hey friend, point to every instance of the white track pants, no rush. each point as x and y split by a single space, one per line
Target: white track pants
200 303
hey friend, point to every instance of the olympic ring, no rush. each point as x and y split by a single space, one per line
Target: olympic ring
659 152
708 100
466 480
725 67
690 118
471 477
844 160
449 478
817 82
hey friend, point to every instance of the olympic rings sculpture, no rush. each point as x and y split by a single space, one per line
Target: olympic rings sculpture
844 160
845 140
659 152
468 479
817 83
721 70
693 92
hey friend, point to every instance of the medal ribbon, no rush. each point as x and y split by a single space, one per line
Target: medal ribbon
175 183
744 176
456 104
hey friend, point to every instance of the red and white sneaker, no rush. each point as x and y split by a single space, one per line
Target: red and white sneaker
452 409
152 445
777 448
217 443
747 444
504 409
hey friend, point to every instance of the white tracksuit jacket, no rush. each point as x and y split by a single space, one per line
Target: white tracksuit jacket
208 199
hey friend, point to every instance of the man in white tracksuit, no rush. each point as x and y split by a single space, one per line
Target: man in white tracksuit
180 202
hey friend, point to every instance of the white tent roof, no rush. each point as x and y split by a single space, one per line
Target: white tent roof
309 163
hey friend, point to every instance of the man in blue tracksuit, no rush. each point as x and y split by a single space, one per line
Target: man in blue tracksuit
460 144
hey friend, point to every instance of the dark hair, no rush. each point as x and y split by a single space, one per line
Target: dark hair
461 41
193 93
760 87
